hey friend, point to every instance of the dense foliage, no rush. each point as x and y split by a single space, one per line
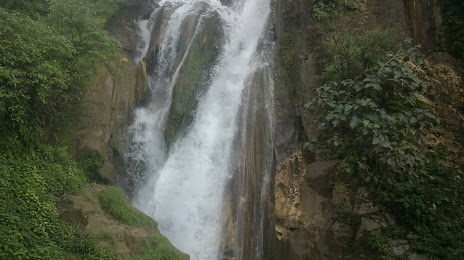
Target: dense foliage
375 114
453 26
49 49
29 220
348 53
44 64
382 127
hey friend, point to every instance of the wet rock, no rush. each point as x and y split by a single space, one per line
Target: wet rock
399 247
370 223
123 24
106 111
194 73
416 256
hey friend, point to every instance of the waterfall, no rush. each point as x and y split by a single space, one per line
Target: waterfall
184 186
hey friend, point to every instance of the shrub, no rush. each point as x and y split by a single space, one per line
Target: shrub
90 162
380 125
348 54
48 50
287 51
29 220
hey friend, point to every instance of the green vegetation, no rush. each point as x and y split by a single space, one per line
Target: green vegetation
323 10
90 162
453 27
375 115
49 50
29 220
156 248
45 63
347 54
113 201
381 126
287 51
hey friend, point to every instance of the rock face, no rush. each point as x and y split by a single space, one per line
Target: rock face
203 52
316 213
106 111
308 216
123 25
112 95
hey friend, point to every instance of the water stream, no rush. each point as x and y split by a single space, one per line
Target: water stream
183 186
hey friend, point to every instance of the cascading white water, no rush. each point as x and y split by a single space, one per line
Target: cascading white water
185 187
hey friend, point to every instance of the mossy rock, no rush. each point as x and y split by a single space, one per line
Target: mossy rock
202 56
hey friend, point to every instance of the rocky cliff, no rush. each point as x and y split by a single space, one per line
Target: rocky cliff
317 212
106 111
113 94
313 211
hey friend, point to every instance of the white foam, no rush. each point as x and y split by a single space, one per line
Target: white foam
185 192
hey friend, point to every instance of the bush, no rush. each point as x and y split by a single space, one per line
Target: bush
90 162
287 51
35 85
347 54
324 9
45 63
29 220
381 126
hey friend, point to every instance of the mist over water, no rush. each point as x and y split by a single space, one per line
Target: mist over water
183 188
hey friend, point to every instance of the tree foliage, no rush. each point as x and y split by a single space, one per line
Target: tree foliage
35 77
49 49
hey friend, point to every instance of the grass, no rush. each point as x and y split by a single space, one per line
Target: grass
156 248
113 201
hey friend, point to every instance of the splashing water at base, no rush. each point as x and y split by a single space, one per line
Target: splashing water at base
184 191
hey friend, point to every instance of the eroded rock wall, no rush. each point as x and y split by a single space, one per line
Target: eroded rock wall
106 111
316 212
112 94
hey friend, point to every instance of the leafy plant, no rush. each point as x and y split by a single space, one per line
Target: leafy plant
29 220
347 54
324 9
380 124
90 162
48 51
382 113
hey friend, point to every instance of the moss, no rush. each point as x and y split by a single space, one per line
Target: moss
202 56
287 51
72 216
